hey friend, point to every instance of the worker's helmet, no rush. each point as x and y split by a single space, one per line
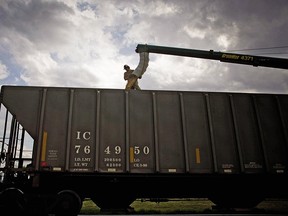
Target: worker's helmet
126 66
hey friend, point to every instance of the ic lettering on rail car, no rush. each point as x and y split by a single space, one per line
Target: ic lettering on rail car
82 149
86 135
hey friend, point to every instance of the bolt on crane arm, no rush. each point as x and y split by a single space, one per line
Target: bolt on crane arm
256 61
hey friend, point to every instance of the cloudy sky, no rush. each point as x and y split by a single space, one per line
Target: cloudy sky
78 43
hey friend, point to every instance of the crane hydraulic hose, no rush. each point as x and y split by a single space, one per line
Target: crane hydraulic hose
143 64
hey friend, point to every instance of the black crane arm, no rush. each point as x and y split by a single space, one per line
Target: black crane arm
263 61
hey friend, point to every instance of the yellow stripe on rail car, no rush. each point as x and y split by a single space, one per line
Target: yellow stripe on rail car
198 158
131 154
44 146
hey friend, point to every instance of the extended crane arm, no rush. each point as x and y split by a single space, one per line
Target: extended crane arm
220 56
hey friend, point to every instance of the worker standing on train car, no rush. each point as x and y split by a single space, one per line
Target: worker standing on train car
132 80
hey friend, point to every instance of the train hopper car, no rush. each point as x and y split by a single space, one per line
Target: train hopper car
115 146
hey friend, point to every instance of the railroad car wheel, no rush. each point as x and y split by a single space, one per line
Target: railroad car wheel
12 202
68 203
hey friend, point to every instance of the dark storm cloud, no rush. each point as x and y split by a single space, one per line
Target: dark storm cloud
35 20
261 23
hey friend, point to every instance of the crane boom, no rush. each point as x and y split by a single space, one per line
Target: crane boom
236 58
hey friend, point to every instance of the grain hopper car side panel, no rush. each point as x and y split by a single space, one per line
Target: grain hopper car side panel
198 133
112 132
169 129
272 133
87 130
141 134
55 129
83 131
224 133
248 134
